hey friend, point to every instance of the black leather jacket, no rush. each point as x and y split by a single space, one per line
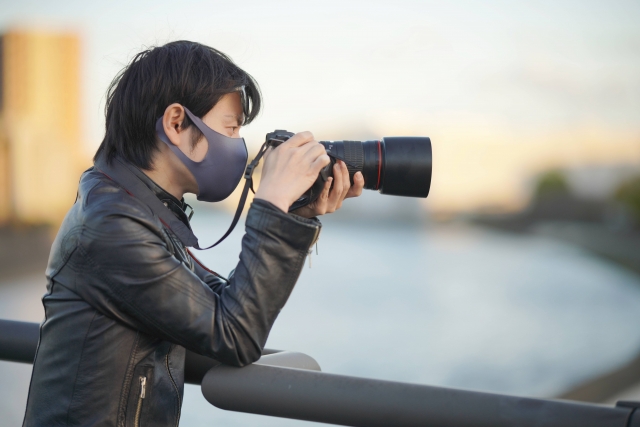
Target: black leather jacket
124 299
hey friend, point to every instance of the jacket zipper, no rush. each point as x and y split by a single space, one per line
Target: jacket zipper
315 241
166 361
316 235
143 393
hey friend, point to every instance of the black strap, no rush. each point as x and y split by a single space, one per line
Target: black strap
243 199
248 185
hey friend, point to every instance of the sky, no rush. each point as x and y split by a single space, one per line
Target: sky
466 73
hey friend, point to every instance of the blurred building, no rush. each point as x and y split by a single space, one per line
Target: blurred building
41 155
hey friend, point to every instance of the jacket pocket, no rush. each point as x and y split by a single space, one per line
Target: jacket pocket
139 394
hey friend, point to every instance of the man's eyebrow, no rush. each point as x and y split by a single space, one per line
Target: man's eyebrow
238 117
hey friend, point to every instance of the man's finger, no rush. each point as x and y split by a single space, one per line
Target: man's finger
358 185
325 190
346 182
320 207
320 162
299 139
312 151
336 193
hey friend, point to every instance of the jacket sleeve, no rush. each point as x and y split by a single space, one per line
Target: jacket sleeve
124 269
215 283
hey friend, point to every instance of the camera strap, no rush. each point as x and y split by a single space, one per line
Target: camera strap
248 185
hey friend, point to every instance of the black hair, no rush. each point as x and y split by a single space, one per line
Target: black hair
191 74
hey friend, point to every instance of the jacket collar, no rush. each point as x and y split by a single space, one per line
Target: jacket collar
166 207
176 206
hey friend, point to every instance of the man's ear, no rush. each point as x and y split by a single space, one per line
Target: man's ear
172 123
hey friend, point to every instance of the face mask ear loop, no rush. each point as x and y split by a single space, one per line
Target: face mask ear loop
197 121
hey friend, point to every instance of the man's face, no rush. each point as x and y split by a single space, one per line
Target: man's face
226 118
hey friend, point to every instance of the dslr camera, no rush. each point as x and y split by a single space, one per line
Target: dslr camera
396 165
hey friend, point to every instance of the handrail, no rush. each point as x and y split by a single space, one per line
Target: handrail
352 401
19 341
300 391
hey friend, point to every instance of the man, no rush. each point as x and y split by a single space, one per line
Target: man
124 295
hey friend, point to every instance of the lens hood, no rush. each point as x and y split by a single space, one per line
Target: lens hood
406 166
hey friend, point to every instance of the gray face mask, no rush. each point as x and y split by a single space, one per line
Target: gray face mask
218 174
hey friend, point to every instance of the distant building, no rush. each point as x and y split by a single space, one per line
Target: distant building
41 155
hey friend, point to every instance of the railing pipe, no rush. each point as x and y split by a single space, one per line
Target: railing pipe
303 393
361 402
19 340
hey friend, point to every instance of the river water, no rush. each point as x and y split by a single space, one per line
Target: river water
450 305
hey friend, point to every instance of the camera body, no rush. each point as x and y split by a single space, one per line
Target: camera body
399 165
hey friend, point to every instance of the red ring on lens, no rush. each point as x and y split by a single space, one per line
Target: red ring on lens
379 164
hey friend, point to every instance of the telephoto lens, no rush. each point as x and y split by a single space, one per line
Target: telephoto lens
396 165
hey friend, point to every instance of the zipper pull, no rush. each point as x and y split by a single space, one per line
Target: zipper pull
143 387
315 241
311 252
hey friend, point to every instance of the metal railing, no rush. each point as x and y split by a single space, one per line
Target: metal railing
19 340
290 385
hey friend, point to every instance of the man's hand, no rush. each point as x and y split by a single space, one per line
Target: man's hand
330 200
290 169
